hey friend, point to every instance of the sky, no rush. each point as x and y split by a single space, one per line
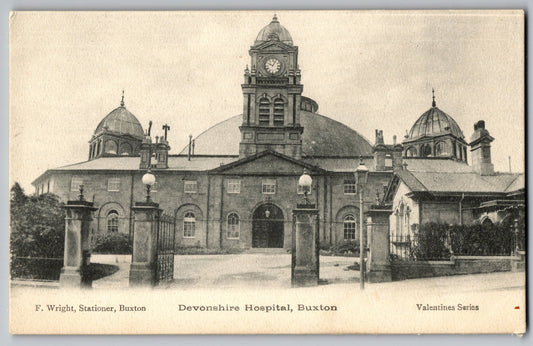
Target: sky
369 70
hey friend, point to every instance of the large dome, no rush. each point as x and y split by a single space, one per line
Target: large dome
322 136
120 121
434 123
274 30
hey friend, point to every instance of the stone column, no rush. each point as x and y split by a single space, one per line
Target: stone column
143 261
77 247
378 268
305 250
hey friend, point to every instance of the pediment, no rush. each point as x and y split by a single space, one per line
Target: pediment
269 163
274 46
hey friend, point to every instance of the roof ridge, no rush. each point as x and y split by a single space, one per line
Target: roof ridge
411 173
512 182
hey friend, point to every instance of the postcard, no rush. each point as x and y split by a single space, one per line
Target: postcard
261 172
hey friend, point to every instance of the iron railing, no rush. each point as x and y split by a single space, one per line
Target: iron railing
165 248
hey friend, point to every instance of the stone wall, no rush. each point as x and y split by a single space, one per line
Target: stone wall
212 203
460 265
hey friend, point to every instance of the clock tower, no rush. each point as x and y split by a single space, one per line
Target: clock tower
272 94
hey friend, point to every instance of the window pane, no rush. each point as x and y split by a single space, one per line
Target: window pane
233 226
75 184
190 186
113 184
350 187
269 186
189 225
234 186
112 221
350 227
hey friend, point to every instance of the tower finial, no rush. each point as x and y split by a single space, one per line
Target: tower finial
275 18
122 101
434 103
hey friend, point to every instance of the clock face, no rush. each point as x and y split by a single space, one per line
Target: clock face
272 66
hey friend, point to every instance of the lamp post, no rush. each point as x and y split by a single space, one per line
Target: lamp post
305 183
148 179
361 176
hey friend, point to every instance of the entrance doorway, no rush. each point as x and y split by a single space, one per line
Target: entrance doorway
267 227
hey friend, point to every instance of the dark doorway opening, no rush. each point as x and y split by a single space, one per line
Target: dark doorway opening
267 227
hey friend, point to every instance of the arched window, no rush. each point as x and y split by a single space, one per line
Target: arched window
279 112
110 147
350 226
411 152
112 221
425 150
98 148
189 225
233 226
441 149
264 112
125 149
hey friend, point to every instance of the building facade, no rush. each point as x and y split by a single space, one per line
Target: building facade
236 184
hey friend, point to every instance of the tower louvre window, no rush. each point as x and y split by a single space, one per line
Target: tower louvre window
279 112
264 112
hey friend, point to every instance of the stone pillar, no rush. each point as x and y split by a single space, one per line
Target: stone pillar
305 250
378 267
77 246
144 256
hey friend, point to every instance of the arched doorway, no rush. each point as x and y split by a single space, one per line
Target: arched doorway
267 227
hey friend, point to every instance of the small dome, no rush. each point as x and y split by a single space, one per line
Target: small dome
274 31
433 123
122 122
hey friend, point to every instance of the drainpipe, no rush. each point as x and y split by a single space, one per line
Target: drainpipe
207 212
461 209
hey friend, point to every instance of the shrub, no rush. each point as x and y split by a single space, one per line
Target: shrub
430 242
350 249
112 243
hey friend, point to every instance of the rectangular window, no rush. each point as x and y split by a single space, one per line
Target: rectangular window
234 186
188 229
190 186
269 186
113 184
75 184
350 187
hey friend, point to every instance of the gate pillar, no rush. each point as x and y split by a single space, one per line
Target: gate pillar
77 245
378 268
143 261
305 251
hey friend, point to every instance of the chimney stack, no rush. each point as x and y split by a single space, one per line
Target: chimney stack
380 151
480 149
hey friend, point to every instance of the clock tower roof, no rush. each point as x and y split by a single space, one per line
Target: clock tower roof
274 31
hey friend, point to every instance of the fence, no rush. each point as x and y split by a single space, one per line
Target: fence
165 248
36 268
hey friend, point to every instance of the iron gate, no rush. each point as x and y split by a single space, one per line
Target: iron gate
165 249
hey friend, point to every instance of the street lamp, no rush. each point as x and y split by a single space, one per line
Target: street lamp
305 183
361 176
148 179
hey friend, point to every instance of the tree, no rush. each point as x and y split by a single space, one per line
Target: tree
37 225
